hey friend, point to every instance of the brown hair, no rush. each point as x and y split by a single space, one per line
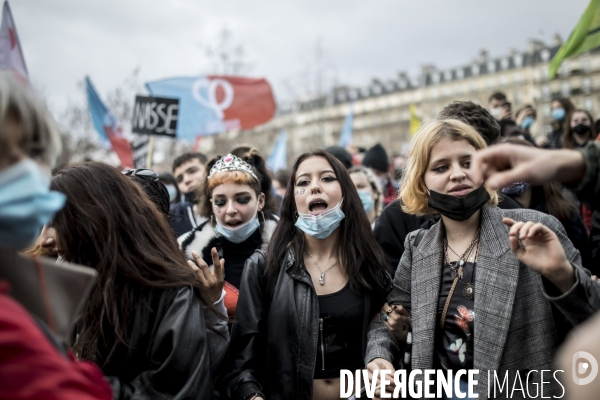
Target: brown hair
568 140
568 107
109 224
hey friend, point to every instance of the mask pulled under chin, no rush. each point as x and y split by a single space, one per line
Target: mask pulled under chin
241 233
322 225
458 208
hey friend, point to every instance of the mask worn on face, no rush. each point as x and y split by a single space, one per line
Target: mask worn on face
172 192
497 112
26 204
458 208
527 122
558 114
516 189
581 129
322 225
366 199
241 233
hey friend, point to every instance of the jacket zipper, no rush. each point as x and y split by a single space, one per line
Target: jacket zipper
323 347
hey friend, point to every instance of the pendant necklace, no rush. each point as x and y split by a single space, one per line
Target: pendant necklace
458 269
322 276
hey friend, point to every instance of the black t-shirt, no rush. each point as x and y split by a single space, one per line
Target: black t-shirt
339 345
454 344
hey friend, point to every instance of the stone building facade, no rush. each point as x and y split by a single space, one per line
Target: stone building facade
381 109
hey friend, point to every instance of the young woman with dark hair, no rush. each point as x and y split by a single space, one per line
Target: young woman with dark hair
233 200
560 110
305 303
579 129
144 323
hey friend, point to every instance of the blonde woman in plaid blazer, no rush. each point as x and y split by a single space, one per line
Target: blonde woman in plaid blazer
529 285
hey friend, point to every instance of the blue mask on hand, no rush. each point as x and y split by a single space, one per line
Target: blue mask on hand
241 233
26 204
558 114
366 199
527 122
322 225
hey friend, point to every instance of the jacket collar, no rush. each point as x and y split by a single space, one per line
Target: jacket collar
496 281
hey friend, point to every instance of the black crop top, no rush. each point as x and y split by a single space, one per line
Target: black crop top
339 346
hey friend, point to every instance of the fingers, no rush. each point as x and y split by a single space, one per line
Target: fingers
515 246
508 221
502 179
219 265
201 265
524 231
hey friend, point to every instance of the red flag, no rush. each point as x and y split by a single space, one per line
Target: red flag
11 54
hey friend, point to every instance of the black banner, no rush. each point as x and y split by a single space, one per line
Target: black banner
155 116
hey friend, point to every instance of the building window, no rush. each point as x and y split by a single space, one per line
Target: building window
475 69
504 63
544 73
518 60
517 78
545 55
435 78
460 73
565 89
588 104
586 66
448 76
491 66
587 85
545 92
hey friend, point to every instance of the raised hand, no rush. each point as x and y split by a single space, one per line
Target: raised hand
212 282
538 247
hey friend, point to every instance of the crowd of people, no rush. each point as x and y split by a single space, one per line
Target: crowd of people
477 250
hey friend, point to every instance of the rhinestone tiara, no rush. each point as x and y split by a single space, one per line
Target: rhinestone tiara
231 163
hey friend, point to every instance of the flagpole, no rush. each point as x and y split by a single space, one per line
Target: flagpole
150 152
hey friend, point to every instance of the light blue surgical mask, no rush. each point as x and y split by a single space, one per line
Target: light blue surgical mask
241 233
558 114
172 192
26 204
366 199
527 122
322 225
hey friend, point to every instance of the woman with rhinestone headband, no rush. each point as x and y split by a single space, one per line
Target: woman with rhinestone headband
486 289
237 224
306 303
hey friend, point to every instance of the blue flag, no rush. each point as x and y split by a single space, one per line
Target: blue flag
346 136
278 158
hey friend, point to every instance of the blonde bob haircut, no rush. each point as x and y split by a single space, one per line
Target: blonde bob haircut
414 195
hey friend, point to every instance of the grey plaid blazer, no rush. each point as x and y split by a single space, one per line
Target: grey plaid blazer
515 327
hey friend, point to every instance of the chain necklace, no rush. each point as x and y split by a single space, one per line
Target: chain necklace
322 276
458 268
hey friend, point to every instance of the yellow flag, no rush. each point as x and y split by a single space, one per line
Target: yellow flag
415 122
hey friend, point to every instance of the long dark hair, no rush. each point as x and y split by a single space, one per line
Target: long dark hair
109 224
362 257
568 140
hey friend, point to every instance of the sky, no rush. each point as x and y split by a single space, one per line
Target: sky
65 40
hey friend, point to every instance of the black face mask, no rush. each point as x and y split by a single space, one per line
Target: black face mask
458 208
581 129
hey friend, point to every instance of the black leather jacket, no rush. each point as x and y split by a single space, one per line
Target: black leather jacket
168 356
274 340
